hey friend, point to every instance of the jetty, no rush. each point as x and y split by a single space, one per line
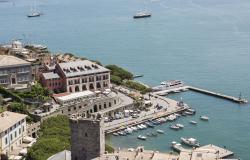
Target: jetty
164 92
219 95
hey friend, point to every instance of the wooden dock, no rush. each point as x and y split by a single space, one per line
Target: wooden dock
219 95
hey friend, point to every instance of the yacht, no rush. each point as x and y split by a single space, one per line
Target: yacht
142 14
190 141
34 12
204 118
167 85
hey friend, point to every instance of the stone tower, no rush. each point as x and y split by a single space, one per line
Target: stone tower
87 138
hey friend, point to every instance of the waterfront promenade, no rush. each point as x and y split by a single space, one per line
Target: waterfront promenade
169 107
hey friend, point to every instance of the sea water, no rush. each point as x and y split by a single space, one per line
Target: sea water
205 43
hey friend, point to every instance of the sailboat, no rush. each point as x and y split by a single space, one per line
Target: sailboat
34 12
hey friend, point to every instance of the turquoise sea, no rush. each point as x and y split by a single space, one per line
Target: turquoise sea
205 43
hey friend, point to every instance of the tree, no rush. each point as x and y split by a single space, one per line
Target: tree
17 107
115 79
120 72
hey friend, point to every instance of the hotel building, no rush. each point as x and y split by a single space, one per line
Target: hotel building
77 76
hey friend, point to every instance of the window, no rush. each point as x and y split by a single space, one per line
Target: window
109 104
80 107
86 134
74 108
11 137
23 128
19 130
15 134
69 109
105 106
114 101
6 141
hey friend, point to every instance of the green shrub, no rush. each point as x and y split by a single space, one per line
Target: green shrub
120 72
115 79
137 86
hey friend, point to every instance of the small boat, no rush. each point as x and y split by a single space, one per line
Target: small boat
180 125
121 133
149 124
204 118
190 141
174 127
139 127
193 122
189 113
142 14
191 110
115 134
142 137
176 146
134 128
144 126
155 122
160 131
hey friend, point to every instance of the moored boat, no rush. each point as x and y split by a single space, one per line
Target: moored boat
160 131
193 122
204 118
142 137
115 134
174 127
190 142
180 125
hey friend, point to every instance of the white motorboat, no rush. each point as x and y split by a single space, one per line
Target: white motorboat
204 118
115 134
144 126
174 127
142 137
179 125
190 141
160 131
176 146
193 122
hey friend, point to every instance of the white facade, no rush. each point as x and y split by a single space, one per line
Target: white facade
12 131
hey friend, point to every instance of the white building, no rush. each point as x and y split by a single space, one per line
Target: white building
12 131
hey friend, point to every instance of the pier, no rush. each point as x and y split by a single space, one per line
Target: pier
203 91
219 95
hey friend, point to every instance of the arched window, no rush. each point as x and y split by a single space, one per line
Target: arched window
109 104
98 85
77 89
100 107
105 106
91 86
84 87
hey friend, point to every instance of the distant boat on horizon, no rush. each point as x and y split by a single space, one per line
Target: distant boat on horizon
142 14
34 12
